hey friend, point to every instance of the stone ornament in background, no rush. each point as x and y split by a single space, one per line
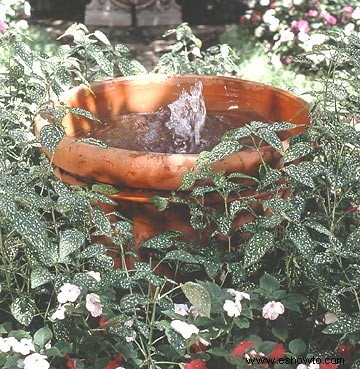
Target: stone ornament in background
132 13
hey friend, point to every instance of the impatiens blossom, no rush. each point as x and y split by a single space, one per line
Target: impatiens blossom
95 275
68 293
93 304
4 345
3 26
277 353
330 318
181 309
272 310
356 13
233 308
238 295
185 329
196 364
302 25
23 347
242 348
36 361
312 13
59 313
330 19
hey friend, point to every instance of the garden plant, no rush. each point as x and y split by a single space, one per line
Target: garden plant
285 287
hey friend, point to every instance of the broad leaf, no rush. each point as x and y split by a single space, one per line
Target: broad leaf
198 296
256 248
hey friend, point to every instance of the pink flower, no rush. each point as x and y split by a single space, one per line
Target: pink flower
3 26
68 293
348 10
302 25
312 13
93 304
272 310
330 19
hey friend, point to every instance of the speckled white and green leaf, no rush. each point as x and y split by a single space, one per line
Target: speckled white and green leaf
93 250
296 151
101 222
85 113
257 246
198 296
344 326
163 241
85 281
70 240
299 175
23 309
51 135
24 54
222 150
39 276
176 341
330 302
180 255
270 137
301 239
129 302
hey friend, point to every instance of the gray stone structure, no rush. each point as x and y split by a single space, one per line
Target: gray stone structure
132 13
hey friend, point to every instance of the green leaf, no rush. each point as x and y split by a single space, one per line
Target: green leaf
63 77
51 135
104 189
301 240
280 329
296 151
330 302
40 276
130 301
43 336
23 309
297 346
163 241
300 175
180 255
160 202
256 248
353 241
222 150
85 113
176 341
188 180
70 240
270 137
268 283
344 326
198 296
101 222
97 53
24 53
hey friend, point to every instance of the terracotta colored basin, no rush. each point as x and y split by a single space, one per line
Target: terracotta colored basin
163 171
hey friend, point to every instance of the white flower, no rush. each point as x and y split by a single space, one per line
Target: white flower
259 31
129 323
48 345
264 2
129 339
298 2
301 366
59 313
181 309
68 293
349 29
232 308
36 361
356 13
24 346
4 345
93 304
185 329
330 318
95 275
238 295
269 16
314 366
272 310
